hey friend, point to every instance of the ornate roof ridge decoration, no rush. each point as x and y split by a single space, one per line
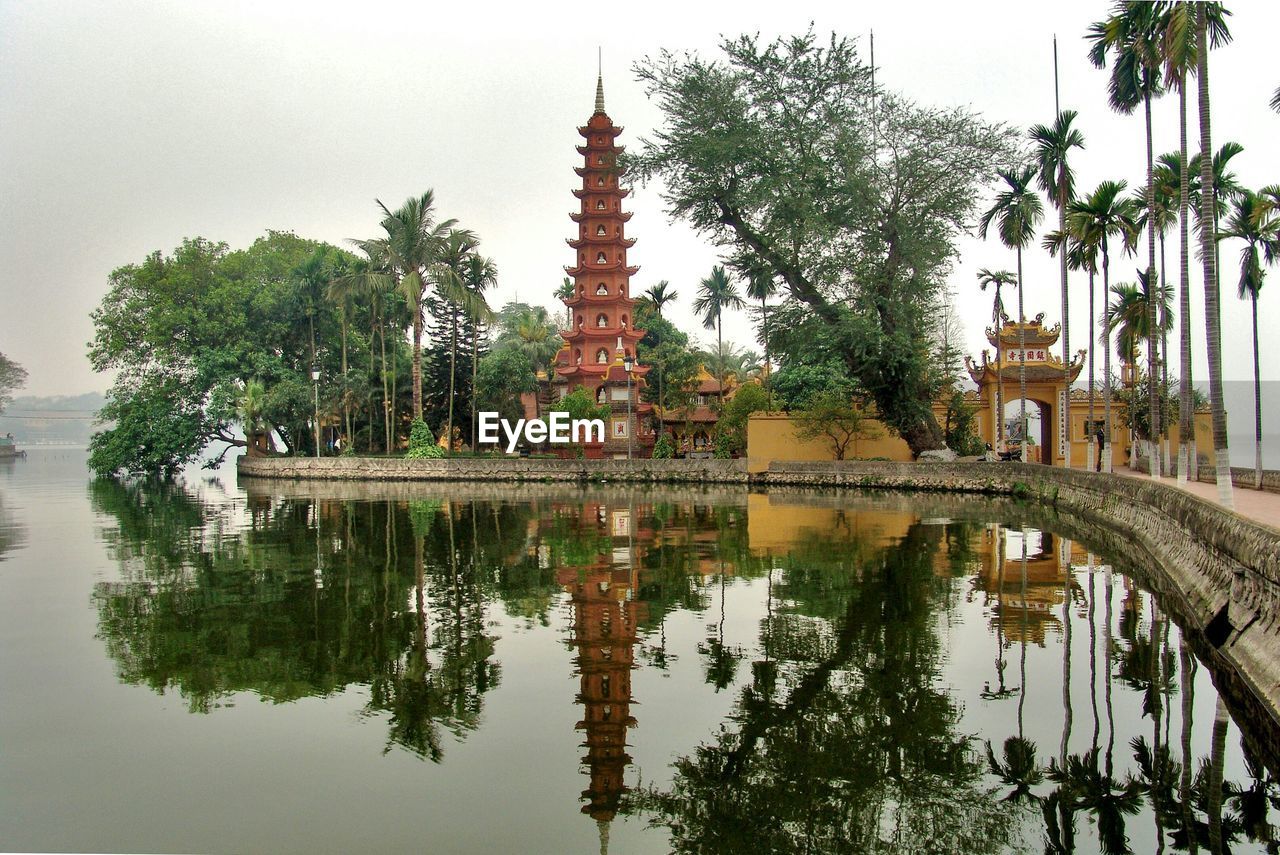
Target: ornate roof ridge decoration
1035 333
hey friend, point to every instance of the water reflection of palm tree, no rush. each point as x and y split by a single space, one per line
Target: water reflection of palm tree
1001 691
1088 787
1019 770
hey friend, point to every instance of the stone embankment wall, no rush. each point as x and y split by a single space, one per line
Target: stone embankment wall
1218 571
516 469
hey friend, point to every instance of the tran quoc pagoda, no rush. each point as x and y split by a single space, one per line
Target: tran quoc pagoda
600 342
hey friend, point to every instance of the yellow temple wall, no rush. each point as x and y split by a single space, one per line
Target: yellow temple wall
772 437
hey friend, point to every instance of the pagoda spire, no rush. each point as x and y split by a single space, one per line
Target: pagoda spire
599 80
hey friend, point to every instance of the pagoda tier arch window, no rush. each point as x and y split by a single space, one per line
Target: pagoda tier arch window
577 356
600 232
624 321
601 259
579 320
602 320
600 181
600 159
599 204
602 290
600 395
602 356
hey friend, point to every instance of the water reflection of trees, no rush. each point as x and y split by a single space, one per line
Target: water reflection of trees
845 741
312 597
844 734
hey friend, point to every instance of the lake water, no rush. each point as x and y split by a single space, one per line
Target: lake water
329 668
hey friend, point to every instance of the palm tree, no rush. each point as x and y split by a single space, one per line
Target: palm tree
760 286
454 256
1133 36
249 409
1208 205
533 333
660 294
312 276
479 274
1164 214
1094 221
1081 255
413 244
565 293
997 280
1018 211
715 294
1053 151
1253 222
342 291
1129 314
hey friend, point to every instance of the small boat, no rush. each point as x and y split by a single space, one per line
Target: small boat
9 448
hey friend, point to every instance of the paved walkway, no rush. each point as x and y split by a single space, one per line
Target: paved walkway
1257 505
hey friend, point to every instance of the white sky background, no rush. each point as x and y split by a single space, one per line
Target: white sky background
127 126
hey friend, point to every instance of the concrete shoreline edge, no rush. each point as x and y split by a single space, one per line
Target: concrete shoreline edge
1219 571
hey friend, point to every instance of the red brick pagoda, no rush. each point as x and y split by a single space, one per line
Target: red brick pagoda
601 309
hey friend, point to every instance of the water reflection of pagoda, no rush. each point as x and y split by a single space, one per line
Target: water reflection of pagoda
605 620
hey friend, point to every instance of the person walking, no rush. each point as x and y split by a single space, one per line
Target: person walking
1101 439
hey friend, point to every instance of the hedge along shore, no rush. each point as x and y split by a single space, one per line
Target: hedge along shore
1217 571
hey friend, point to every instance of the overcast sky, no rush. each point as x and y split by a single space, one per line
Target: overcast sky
128 126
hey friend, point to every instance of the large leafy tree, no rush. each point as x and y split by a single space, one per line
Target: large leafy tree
12 377
185 332
774 152
1016 212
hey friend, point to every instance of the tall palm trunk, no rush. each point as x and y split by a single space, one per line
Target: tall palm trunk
1164 363
475 355
1094 451
1000 437
346 406
1064 547
1257 398
387 406
720 357
1106 449
768 364
453 373
1217 758
1022 363
1188 713
1186 408
1153 403
1066 317
417 364
1208 206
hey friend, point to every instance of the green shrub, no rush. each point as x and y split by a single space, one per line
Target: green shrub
724 446
664 448
422 445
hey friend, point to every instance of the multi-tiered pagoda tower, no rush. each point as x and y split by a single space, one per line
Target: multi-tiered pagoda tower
602 335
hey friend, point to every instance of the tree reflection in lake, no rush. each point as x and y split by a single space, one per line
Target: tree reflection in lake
864 713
